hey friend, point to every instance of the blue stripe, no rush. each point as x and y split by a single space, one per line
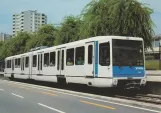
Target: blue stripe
96 59
127 71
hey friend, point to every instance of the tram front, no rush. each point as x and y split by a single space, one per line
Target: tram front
128 63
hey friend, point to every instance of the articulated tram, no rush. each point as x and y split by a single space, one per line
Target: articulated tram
102 61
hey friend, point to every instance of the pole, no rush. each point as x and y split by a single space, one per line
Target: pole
159 54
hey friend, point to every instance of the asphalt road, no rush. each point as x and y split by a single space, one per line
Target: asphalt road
22 98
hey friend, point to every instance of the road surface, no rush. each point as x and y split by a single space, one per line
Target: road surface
22 98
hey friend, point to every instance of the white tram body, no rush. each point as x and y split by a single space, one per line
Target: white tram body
100 61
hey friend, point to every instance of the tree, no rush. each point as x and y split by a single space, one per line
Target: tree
45 36
96 19
14 46
1 45
69 30
112 17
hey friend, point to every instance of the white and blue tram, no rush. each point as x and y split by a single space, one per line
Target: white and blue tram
102 61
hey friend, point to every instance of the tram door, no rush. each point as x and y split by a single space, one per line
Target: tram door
13 64
90 56
60 61
39 67
22 65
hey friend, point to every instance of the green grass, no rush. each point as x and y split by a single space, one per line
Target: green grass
152 64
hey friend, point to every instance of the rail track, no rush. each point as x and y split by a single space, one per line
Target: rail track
148 98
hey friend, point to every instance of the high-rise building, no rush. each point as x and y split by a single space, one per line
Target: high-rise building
4 36
28 21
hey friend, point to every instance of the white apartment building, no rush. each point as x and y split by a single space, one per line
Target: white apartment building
4 36
28 21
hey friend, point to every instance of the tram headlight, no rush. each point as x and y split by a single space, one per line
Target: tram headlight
143 81
115 81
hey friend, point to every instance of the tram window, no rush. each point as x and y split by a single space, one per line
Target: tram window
18 63
8 63
70 57
52 59
46 59
62 60
104 54
27 62
15 63
90 54
79 56
34 61
58 59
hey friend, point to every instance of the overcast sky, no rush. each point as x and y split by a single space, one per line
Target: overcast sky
57 9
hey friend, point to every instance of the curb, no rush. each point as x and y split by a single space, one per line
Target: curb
114 99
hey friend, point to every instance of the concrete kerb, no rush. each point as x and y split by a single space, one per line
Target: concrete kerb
118 100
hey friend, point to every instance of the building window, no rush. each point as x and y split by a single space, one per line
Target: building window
46 59
104 54
27 62
70 57
90 54
79 55
34 61
52 58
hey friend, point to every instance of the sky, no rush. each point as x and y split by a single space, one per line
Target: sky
56 10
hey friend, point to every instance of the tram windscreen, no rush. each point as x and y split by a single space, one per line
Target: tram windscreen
127 53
